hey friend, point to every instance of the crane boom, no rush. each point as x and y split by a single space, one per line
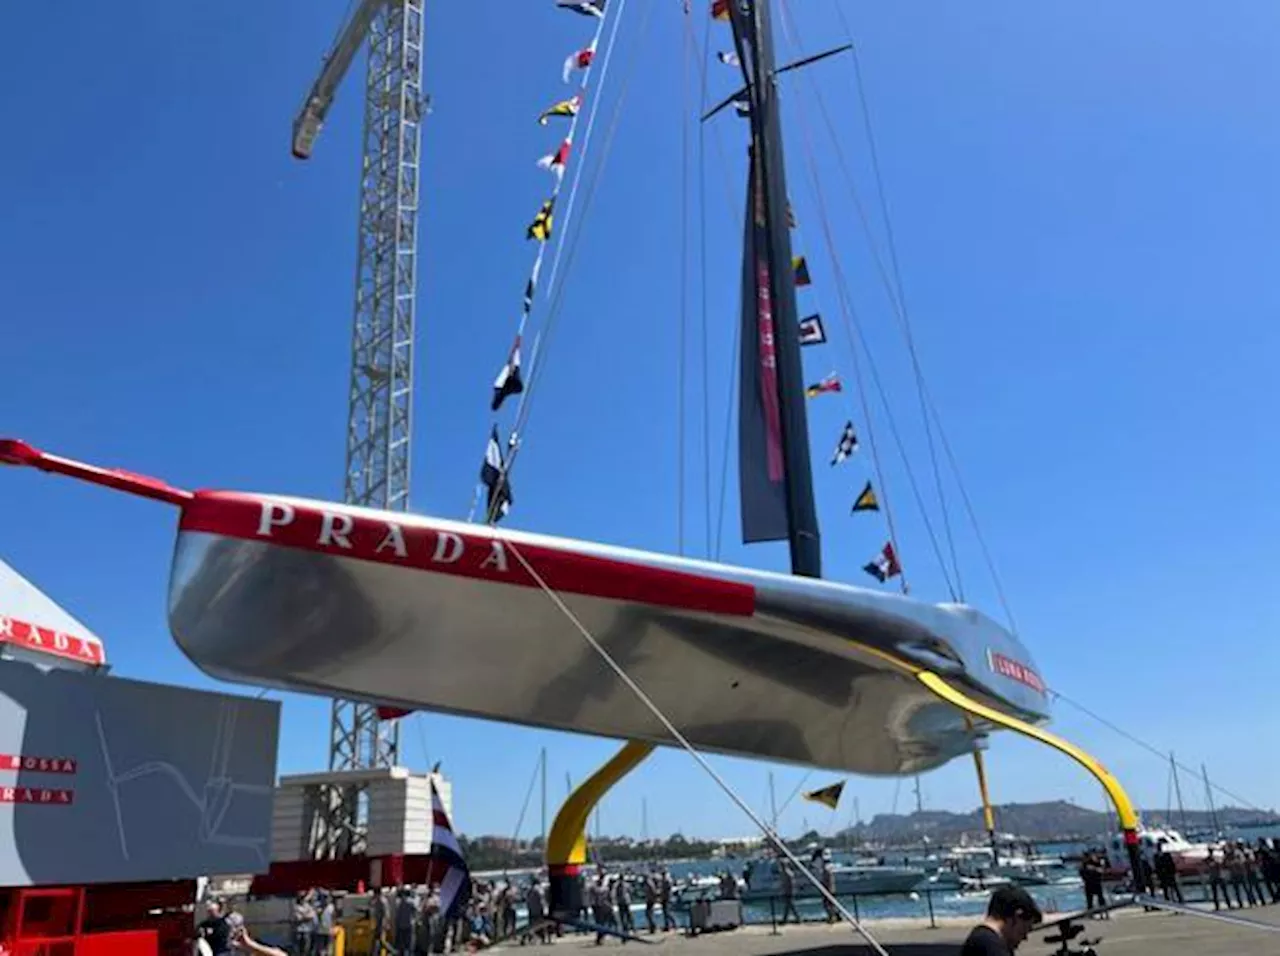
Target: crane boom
306 127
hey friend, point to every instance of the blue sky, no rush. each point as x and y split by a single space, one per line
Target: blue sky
1085 204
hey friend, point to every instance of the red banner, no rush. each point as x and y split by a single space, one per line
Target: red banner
41 796
46 640
30 764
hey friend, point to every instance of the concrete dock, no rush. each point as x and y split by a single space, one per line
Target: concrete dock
1129 933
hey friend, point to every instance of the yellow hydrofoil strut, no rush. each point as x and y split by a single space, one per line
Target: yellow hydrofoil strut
567 843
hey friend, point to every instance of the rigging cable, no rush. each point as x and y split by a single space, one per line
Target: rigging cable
770 835
706 353
682 340
586 139
787 802
1162 754
713 551
897 298
528 795
523 410
898 301
856 338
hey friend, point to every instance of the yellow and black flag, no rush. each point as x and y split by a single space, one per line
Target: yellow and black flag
866 500
801 267
828 796
540 228
567 107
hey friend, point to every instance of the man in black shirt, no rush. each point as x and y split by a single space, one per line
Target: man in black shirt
215 929
1011 914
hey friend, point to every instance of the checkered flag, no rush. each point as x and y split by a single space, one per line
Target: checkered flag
847 446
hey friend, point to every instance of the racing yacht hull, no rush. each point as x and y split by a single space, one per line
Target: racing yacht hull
421 613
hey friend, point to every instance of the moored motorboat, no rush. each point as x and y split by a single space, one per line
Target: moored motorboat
764 881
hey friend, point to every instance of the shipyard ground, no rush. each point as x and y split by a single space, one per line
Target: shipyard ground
1130 933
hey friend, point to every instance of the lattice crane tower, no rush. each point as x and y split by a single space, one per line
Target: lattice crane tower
381 388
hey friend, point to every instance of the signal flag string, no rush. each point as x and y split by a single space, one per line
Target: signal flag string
515 441
493 475
586 137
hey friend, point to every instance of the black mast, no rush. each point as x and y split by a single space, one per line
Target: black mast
775 472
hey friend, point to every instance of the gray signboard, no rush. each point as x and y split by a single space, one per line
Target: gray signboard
111 780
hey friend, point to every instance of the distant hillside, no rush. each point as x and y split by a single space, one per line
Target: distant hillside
1036 821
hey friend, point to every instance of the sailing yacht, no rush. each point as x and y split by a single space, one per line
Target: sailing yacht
409 611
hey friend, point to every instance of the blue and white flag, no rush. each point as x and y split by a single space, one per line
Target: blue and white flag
455 885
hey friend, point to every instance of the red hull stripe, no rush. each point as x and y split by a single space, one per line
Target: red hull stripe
564 869
417 544
393 713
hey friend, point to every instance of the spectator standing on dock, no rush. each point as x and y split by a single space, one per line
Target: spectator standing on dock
1091 876
664 897
1269 866
828 877
215 930
1011 915
1235 867
537 927
787 880
1167 874
304 926
622 899
1217 885
406 923
1253 873
601 913
650 888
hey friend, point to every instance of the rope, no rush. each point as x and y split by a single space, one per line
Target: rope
973 520
874 155
528 795
1162 754
787 802
682 347
586 139
896 296
771 836
706 360
526 399
728 434
856 338
713 549
702 260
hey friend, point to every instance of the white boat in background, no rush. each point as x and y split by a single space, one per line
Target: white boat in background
981 866
1187 856
762 880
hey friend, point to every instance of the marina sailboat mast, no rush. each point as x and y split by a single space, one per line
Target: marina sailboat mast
776 481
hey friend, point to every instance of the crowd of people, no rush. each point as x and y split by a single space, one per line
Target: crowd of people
1251 872
1236 874
410 920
